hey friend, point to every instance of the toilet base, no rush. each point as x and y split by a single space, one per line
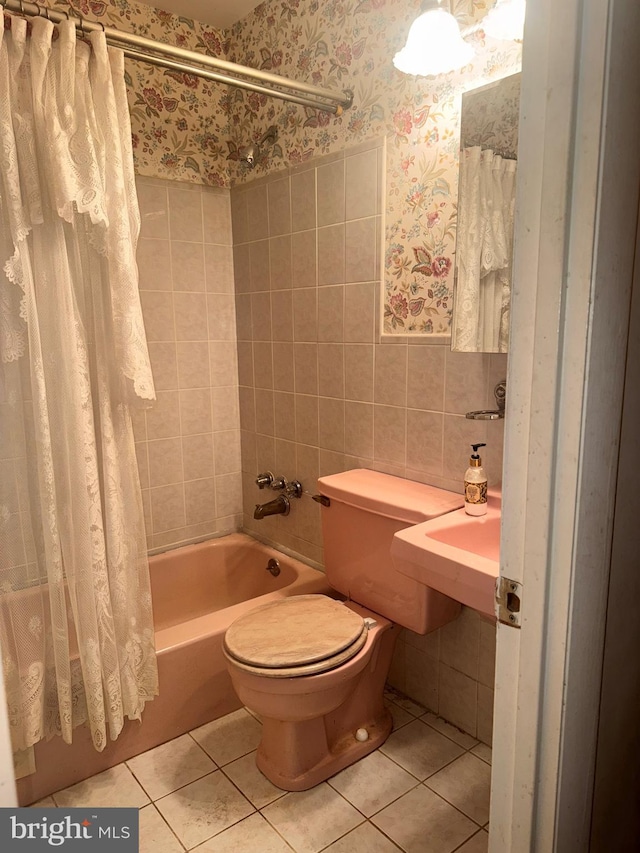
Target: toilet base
344 751
304 750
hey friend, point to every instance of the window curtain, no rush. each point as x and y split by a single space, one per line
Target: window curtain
76 630
484 252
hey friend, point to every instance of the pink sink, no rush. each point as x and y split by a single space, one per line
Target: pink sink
456 554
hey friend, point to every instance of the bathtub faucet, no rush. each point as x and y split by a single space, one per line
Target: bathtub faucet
278 506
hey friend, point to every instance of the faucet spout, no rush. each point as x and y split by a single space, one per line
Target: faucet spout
278 506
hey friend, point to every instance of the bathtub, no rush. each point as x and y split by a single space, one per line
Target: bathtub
198 591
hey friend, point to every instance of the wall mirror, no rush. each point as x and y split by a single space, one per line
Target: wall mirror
486 202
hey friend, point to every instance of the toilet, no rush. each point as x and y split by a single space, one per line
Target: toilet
314 667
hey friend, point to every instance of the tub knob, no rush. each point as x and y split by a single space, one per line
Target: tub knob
263 481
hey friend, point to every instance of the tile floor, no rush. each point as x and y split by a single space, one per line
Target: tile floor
426 790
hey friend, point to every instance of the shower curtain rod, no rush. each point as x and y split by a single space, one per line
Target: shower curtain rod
190 62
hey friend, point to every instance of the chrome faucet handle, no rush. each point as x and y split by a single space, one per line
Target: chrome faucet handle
263 481
294 489
278 484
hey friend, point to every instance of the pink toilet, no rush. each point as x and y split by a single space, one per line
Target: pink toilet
314 668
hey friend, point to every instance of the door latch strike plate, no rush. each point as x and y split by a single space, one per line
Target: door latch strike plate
508 601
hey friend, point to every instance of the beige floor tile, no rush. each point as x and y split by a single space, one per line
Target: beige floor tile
251 835
47 803
229 737
404 702
311 820
400 716
110 789
421 822
461 738
203 809
482 751
155 835
373 782
364 839
253 784
478 844
420 749
170 766
466 784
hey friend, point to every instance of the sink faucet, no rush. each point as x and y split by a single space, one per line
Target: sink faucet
278 506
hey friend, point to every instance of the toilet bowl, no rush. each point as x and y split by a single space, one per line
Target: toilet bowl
314 667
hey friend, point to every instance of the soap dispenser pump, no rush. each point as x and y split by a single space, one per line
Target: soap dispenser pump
475 484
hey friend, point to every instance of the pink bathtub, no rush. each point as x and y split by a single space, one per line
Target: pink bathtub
198 591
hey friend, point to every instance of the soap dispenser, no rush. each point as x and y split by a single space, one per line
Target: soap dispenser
475 484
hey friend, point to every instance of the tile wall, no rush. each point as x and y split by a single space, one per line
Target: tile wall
188 443
322 392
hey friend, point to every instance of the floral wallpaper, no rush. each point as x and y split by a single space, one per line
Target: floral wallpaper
349 44
187 129
490 117
179 122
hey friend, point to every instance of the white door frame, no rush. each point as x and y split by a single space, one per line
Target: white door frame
579 173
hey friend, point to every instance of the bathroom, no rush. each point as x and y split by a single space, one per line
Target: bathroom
260 292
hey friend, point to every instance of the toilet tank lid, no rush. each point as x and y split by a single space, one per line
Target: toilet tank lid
393 497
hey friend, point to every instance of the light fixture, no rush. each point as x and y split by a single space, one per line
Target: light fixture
506 20
434 44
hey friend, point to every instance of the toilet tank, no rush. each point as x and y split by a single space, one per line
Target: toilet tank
365 509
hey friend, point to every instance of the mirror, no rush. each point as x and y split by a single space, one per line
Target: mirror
486 203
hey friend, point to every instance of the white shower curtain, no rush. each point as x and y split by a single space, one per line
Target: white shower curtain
75 607
484 252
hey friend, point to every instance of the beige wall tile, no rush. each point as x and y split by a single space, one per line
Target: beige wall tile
154 210
285 416
225 408
227 451
195 411
331 254
263 364
157 311
259 262
164 364
190 310
228 494
223 363
244 328
458 699
361 249
200 500
239 222
197 456
154 264
257 213
359 313
163 418
218 265
216 209
331 370
283 371
362 185
424 441
389 434
331 313
193 364
331 193
307 419
421 678
241 268
485 714
280 270
358 364
358 439
460 643
303 259
425 378
187 266
185 215
305 315
306 368
165 461
167 507
282 315
390 385
279 201
261 316
331 424
265 422
459 433
487 655
303 200
466 382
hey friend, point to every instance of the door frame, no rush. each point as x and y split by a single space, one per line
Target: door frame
579 181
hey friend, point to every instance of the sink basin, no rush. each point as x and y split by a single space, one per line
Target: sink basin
456 554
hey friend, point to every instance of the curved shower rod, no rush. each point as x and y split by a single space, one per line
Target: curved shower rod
199 64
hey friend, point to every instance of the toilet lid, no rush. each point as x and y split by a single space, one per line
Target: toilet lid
296 633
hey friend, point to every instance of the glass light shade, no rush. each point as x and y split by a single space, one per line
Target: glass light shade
434 46
506 20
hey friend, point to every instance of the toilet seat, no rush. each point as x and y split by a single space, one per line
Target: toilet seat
299 635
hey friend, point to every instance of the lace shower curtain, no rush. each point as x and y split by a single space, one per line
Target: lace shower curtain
484 252
75 606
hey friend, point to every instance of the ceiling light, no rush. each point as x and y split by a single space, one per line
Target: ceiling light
434 44
506 20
